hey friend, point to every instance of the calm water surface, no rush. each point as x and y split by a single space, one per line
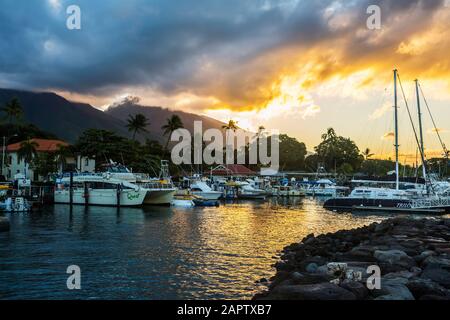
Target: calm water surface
157 253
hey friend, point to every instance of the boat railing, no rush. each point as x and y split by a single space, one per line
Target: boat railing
139 176
156 185
83 174
430 203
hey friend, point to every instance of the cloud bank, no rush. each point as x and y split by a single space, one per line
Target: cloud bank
221 55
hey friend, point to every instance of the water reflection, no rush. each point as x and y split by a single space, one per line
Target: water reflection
157 252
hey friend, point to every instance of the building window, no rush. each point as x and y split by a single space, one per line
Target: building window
86 162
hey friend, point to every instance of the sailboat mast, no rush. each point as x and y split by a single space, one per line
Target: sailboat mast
397 184
422 149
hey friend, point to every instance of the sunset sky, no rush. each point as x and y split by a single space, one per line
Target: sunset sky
293 65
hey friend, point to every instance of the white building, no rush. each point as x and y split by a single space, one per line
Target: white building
14 166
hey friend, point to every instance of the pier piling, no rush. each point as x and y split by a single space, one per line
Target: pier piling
71 190
119 191
86 194
4 224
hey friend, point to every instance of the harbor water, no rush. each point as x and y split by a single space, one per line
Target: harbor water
158 252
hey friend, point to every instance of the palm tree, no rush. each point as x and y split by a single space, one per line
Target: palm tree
259 134
231 125
260 131
13 110
27 152
330 134
137 124
367 154
173 123
62 154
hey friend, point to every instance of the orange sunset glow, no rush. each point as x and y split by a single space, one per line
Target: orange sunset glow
298 67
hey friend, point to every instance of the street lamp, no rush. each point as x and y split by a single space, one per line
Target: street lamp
4 151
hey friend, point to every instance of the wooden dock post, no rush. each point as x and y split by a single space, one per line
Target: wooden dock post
119 192
86 194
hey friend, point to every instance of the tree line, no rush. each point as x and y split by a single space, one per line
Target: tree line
101 145
333 154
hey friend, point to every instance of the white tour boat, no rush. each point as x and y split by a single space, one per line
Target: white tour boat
98 189
160 191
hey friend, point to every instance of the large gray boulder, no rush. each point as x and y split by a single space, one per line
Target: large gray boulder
439 275
357 288
320 291
423 287
393 288
394 257
433 261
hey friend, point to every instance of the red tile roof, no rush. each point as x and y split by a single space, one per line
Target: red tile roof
232 169
43 145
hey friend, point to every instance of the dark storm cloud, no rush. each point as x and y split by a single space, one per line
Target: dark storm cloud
163 44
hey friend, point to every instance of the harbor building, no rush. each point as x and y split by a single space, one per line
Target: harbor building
13 165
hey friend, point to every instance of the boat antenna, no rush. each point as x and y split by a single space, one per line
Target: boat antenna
397 187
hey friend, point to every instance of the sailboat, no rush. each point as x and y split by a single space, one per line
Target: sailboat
372 198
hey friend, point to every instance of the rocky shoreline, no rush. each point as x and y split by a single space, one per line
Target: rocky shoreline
413 256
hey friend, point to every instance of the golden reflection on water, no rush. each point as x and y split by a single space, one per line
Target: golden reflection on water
238 243
159 253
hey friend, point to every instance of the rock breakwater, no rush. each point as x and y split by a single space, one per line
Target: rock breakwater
411 255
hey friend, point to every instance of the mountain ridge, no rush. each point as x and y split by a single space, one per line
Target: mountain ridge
68 119
54 113
157 117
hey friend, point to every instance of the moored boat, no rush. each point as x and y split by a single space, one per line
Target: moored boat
160 191
369 197
412 200
288 191
202 202
201 189
183 201
324 188
246 191
98 189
